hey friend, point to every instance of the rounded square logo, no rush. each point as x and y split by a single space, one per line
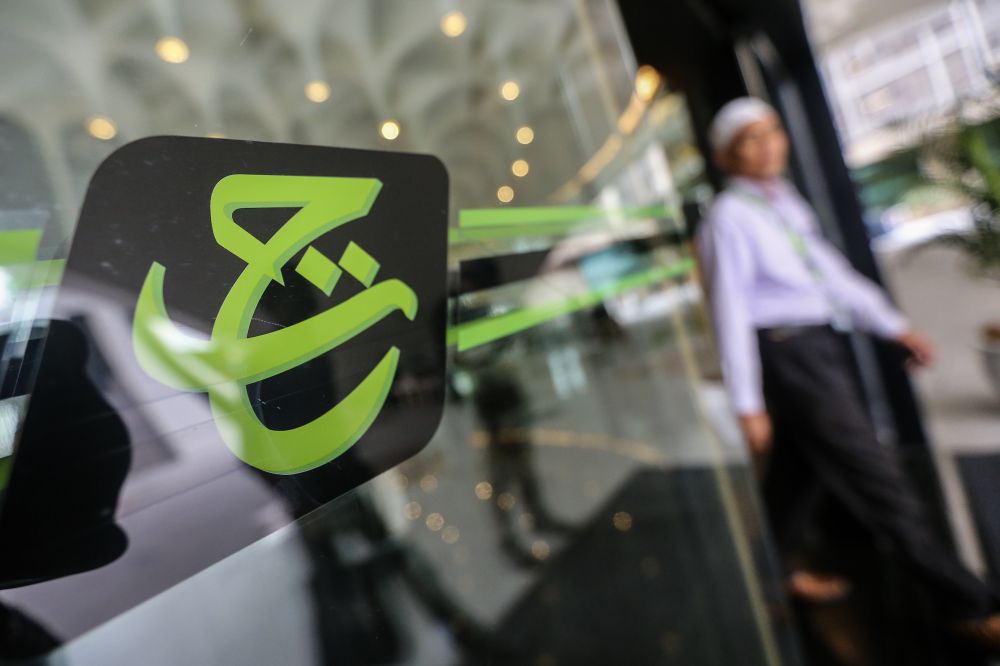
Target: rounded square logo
242 329
270 309
300 289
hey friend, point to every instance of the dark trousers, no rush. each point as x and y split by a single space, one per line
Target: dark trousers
824 438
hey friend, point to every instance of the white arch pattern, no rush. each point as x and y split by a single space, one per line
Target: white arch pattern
68 60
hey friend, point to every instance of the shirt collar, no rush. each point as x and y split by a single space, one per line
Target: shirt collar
768 191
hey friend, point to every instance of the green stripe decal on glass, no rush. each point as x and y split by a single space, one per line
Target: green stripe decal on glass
485 330
473 234
18 250
36 274
20 246
495 217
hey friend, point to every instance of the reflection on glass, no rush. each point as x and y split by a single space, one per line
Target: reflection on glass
59 509
172 49
573 507
453 23
389 130
502 408
318 91
510 90
102 127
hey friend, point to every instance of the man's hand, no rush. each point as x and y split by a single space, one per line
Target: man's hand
920 348
757 431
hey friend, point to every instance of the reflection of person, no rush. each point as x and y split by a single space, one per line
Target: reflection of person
779 293
59 509
502 408
21 637
356 562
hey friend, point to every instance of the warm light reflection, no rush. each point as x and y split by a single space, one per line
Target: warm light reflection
172 49
318 91
484 490
389 130
520 168
505 194
453 24
647 82
215 135
450 534
435 521
412 510
622 521
540 550
607 152
524 135
428 483
510 90
505 501
101 127
633 113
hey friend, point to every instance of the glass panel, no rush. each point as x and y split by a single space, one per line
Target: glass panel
576 505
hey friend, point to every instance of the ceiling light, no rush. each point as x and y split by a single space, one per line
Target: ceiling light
318 91
453 24
519 168
389 130
510 90
525 135
647 82
101 127
505 194
172 49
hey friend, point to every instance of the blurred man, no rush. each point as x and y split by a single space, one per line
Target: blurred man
780 297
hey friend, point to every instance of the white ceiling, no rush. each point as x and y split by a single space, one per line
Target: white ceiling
67 60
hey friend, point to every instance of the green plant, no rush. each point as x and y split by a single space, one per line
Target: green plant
981 245
967 160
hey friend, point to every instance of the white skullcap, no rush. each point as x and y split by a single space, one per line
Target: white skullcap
733 117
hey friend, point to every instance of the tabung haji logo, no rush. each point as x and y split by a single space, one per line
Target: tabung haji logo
228 361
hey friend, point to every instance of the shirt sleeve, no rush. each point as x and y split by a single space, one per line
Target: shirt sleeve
727 263
867 303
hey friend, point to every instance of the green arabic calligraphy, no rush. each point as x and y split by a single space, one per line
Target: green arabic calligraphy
228 361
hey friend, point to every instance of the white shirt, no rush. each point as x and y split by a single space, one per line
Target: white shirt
766 264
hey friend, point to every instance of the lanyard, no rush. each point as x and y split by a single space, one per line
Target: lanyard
841 320
795 238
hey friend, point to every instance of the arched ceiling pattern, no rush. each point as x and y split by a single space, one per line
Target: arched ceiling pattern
69 60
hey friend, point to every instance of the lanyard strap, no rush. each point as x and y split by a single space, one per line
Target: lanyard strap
795 239
841 320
